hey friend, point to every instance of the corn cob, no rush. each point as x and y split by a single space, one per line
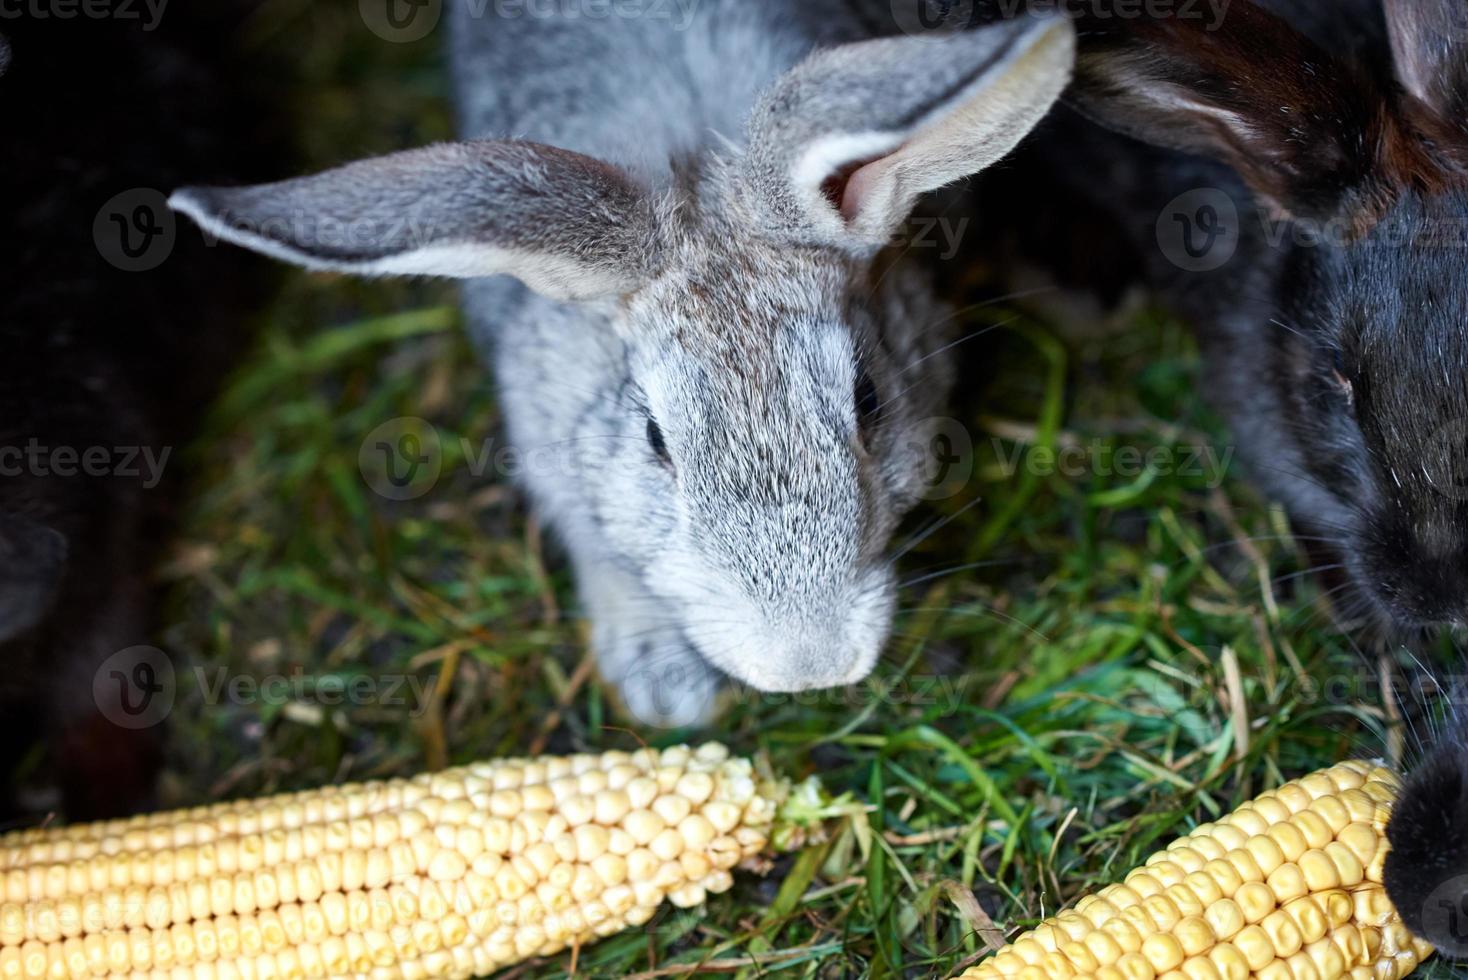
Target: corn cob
1287 887
446 876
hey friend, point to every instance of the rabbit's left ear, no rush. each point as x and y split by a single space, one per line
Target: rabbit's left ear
567 225
843 145
1430 47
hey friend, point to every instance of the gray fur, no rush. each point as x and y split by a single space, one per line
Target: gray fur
569 225
730 302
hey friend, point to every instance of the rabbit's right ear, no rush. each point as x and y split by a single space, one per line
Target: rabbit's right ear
1305 130
843 145
567 225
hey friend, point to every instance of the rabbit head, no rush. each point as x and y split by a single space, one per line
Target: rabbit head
771 408
1343 354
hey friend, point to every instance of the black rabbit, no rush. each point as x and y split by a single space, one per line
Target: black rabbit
114 331
1293 180
1304 205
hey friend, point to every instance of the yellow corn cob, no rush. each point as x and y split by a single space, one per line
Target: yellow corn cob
1287 887
445 876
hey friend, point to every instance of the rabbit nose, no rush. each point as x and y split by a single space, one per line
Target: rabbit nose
830 642
1422 597
1415 570
841 661
814 665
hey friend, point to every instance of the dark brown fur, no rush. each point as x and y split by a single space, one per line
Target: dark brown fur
1324 134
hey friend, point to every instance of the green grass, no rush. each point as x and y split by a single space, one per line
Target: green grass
1086 663
1128 657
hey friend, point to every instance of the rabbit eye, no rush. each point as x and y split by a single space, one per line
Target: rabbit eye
656 441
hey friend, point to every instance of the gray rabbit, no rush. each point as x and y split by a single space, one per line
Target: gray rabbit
717 379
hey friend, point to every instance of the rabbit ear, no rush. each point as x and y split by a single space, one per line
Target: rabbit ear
1303 129
844 144
567 225
1430 44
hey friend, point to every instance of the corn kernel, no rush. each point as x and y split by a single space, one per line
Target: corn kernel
1285 888
444 876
